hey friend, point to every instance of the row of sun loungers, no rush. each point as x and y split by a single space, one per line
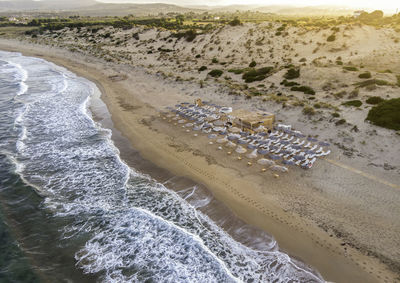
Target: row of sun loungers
290 147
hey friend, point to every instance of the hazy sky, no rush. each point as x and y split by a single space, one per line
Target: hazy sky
374 4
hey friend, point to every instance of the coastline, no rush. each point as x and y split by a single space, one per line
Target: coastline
297 236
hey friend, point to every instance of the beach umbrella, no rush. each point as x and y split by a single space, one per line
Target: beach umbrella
189 125
310 152
323 143
279 168
263 151
241 141
232 138
288 162
311 139
252 155
243 133
181 121
219 123
263 134
197 128
274 157
240 149
212 136
223 133
299 157
284 142
273 138
296 146
264 161
234 130
230 144
223 140
218 129
251 146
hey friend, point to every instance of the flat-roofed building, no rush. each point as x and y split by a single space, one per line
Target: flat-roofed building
252 119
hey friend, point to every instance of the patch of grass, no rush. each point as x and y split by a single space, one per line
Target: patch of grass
350 68
335 115
292 73
340 122
386 114
355 103
366 75
305 89
331 38
253 75
374 100
236 71
340 63
287 83
214 60
372 82
308 110
215 73
398 80
202 68
253 64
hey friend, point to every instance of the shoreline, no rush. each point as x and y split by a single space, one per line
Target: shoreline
298 236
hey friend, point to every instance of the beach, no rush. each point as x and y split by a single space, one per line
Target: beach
333 217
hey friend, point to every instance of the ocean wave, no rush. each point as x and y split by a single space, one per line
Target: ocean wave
137 229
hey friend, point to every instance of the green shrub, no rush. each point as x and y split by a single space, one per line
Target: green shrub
252 64
287 83
386 114
202 68
335 114
252 75
305 89
331 38
374 100
398 80
198 56
366 75
236 71
235 22
317 106
372 82
350 68
339 63
214 60
355 103
340 122
215 73
292 73
307 110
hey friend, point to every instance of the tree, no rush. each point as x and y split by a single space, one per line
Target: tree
235 22
179 19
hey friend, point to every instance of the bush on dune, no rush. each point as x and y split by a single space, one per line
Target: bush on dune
215 73
355 103
292 73
386 114
253 75
374 100
305 89
366 75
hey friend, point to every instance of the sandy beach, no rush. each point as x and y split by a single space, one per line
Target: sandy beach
334 217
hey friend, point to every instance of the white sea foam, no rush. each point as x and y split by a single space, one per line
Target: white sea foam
137 228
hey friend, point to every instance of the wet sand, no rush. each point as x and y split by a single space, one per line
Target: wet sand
256 198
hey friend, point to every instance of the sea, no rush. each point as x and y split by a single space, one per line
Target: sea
73 209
